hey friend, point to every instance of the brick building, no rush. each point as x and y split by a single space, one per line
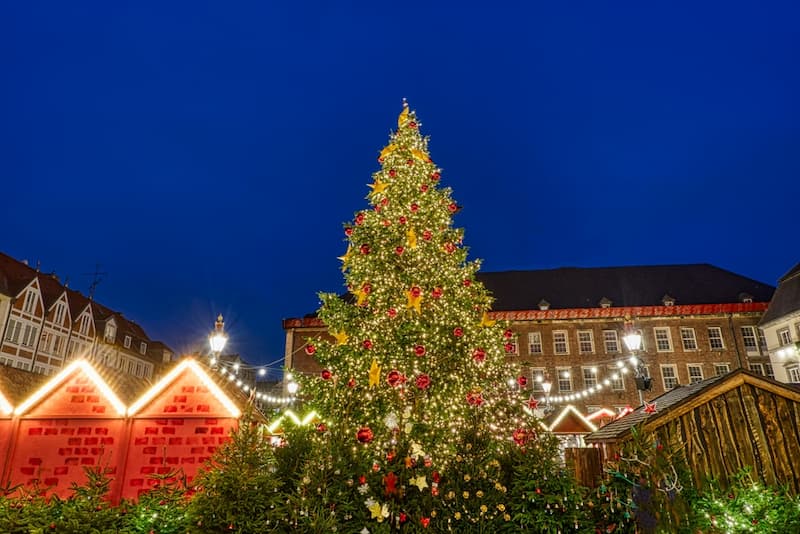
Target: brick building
696 321
44 324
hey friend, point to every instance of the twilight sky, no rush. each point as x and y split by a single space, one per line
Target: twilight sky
206 154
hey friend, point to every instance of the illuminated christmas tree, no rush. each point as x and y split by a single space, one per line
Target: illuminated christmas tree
416 380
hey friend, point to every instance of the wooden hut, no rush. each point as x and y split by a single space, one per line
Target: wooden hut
723 424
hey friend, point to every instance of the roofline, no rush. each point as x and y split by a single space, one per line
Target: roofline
589 313
734 380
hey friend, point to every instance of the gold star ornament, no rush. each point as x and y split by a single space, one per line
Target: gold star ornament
485 321
420 482
414 301
374 373
340 337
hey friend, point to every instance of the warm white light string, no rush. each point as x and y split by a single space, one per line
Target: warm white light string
233 378
623 368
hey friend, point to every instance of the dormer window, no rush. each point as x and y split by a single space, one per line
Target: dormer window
111 332
668 300
747 298
127 342
544 305
605 303
30 301
143 348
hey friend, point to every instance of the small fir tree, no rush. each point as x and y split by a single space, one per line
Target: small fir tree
161 510
238 490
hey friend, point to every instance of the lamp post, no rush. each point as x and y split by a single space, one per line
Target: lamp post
633 340
547 386
217 339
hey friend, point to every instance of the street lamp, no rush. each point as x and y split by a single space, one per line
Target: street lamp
217 339
633 340
546 387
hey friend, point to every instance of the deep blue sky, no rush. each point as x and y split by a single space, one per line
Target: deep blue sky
207 154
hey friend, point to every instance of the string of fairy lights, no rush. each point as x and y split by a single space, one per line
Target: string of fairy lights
231 370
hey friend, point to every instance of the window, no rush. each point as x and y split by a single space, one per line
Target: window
560 343
669 376
721 369
111 332
794 375
84 325
585 341
58 317
611 341
44 343
715 338
688 339
589 377
13 330
749 339
762 340
537 374
58 345
757 368
617 379
592 408
663 339
695 373
564 380
127 342
768 371
514 346
143 348
30 301
784 336
29 335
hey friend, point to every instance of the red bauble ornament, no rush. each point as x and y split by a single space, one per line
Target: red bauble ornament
458 331
467 282
415 291
367 288
359 218
435 476
522 381
414 207
362 480
409 162
479 355
364 249
412 124
348 231
419 350
437 292
351 383
509 347
449 248
391 312
387 222
321 427
423 188
508 334
453 207
435 176
367 344
403 517
402 220
384 201
520 436
377 208
425 521
399 250
427 235
364 435
395 378
326 374
474 398
423 381
310 349
392 173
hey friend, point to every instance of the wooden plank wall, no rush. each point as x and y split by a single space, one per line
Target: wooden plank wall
745 427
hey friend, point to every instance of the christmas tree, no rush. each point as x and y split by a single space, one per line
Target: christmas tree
418 402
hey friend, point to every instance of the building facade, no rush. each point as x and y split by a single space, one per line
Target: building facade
44 324
696 321
781 327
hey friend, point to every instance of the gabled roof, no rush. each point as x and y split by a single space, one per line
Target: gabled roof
786 299
579 287
682 399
